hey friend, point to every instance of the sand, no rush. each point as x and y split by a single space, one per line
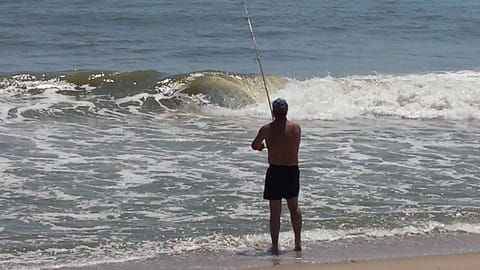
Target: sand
466 261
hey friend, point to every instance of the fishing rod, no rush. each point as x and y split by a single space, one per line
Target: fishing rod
250 26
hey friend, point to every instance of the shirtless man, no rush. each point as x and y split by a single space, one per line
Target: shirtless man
282 138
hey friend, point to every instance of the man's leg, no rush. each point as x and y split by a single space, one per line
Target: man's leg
296 219
275 211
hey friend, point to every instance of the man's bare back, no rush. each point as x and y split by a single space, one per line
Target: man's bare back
282 138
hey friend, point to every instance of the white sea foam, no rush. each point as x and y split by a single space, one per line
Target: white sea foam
449 95
113 252
40 96
192 183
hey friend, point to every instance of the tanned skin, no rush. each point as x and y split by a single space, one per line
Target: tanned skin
282 138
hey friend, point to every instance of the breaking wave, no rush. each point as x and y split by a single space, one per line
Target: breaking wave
111 93
447 95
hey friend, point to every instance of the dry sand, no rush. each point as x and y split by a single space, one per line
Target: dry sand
467 261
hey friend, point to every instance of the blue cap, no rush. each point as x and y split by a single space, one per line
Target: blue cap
280 106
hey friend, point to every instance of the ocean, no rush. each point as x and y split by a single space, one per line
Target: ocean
125 131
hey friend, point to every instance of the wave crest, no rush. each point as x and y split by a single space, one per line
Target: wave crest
113 93
448 95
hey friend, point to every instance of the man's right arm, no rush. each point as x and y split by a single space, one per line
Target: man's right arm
257 143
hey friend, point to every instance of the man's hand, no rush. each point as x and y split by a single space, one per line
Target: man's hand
262 146
259 147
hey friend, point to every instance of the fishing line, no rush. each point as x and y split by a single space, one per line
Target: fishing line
250 26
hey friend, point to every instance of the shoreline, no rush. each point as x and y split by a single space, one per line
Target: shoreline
460 261
427 252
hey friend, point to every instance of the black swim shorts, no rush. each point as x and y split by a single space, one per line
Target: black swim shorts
281 182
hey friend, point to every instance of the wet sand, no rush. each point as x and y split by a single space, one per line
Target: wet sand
465 261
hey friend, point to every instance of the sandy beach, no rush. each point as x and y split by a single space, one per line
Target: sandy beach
466 261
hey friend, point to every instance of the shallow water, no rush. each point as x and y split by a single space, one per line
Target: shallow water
116 145
124 189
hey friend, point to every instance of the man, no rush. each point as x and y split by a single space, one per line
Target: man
282 138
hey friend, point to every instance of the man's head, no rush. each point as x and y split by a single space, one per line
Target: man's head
280 108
